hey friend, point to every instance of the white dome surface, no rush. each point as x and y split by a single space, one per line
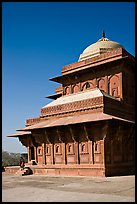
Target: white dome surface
101 46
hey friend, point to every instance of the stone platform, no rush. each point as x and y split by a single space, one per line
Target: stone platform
68 170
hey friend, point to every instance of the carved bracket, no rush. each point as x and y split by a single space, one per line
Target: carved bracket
59 135
86 133
47 138
24 141
72 134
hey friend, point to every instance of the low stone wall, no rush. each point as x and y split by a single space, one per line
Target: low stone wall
11 169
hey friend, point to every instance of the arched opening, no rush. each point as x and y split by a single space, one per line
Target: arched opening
86 86
75 89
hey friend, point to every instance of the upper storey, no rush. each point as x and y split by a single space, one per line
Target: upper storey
102 52
105 65
94 63
101 46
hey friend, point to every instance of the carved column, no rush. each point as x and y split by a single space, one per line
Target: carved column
43 152
62 145
103 151
89 144
52 153
51 142
35 153
93 159
112 152
76 146
28 150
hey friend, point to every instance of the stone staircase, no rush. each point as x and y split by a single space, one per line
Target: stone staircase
25 171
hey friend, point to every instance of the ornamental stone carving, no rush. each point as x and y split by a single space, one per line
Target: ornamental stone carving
74 106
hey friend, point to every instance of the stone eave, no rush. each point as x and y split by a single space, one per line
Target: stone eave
78 119
54 96
77 72
20 134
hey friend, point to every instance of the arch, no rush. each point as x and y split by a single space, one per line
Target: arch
114 86
69 148
75 89
101 84
83 147
87 85
57 149
67 90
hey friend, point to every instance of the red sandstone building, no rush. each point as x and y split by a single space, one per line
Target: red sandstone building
88 129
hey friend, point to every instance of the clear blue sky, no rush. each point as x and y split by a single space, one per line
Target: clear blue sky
38 38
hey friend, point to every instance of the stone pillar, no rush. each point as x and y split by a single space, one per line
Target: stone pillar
43 153
64 152
90 152
28 149
112 152
35 154
93 155
52 154
76 147
103 152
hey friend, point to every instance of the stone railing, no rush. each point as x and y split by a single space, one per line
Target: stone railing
98 58
32 121
72 107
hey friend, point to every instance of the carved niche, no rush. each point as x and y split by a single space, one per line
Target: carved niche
83 147
70 148
114 86
101 84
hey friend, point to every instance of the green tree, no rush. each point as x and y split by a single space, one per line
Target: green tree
13 159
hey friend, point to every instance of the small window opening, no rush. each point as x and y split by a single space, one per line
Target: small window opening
47 150
96 147
57 149
69 148
39 151
83 147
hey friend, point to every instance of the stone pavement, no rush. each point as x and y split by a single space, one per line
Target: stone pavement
43 188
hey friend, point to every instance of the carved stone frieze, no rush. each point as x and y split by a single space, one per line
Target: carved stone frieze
74 106
32 121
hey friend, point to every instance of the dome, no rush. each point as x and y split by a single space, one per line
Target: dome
101 46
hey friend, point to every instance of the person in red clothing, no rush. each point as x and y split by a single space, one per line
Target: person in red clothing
22 163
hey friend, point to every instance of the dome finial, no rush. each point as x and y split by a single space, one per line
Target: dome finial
103 34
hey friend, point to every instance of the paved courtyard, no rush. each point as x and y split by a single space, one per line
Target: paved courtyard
43 188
